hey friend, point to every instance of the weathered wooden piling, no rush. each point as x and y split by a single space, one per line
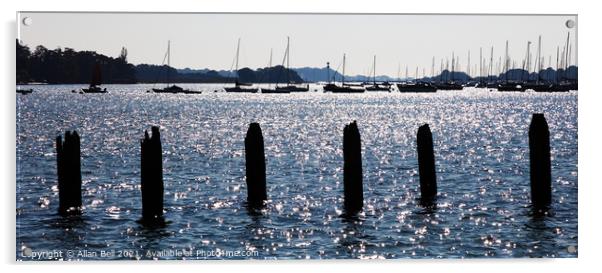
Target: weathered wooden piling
68 161
539 155
352 169
151 176
426 163
255 166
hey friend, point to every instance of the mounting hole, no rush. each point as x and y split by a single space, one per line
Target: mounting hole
572 249
570 24
27 21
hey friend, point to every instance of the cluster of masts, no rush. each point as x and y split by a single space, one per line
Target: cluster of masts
504 74
494 75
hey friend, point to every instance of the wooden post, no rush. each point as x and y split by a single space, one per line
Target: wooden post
151 176
255 166
352 169
68 159
426 163
539 155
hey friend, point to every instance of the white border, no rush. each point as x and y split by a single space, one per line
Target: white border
589 111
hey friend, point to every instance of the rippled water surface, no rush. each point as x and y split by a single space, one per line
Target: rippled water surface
481 152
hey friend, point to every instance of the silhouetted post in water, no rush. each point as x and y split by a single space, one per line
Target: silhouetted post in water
539 155
151 176
352 169
255 166
69 173
426 163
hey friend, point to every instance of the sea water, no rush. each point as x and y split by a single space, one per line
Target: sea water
481 153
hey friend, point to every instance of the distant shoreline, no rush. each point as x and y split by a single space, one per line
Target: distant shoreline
157 83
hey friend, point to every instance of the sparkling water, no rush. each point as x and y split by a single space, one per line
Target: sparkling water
481 152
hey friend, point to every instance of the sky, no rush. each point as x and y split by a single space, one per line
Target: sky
209 40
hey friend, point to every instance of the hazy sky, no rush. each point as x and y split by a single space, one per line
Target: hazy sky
209 40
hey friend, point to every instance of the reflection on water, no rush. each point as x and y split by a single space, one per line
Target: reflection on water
481 152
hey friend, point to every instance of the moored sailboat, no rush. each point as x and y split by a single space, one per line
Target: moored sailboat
418 87
174 89
562 84
507 85
24 91
95 82
450 84
238 86
375 86
332 87
289 86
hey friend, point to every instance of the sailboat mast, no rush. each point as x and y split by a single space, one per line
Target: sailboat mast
416 75
570 54
568 35
237 53
374 70
441 73
328 72
433 69
528 60
270 63
506 63
452 67
557 58
538 57
343 76
288 55
168 61
480 64
490 65
468 65
447 69
457 64
269 67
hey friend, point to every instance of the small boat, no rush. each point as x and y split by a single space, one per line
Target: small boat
331 87
293 88
95 83
375 86
537 87
343 88
239 89
449 86
169 89
274 91
558 87
243 83
419 87
94 89
24 91
174 89
510 87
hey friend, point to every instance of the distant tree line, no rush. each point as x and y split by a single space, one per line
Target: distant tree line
146 73
67 66
517 75
312 74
